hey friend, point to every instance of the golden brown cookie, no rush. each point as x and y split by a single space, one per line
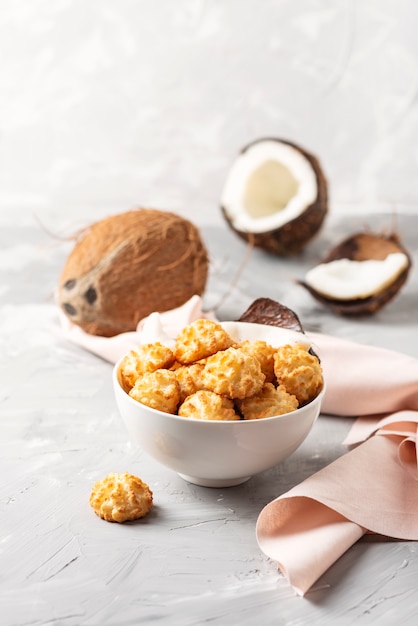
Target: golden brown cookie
299 371
189 378
269 402
159 390
121 498
200 339
264 352
207 405
145 358
233 373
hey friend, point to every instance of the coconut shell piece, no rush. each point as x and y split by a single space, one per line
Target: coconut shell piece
290 238
271 313
129 265
362 247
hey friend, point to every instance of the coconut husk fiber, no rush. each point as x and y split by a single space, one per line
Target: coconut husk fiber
126 266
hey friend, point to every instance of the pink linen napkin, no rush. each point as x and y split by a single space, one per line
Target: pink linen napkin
370 489
113 348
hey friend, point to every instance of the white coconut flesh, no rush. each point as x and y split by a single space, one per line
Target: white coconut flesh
268 185
345 279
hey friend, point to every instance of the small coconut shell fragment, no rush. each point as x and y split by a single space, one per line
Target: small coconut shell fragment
364 247
129 265
272 313
278 203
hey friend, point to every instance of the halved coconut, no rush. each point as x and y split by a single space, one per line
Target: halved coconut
360 275
275 196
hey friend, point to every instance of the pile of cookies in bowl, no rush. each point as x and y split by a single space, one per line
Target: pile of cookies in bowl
221 401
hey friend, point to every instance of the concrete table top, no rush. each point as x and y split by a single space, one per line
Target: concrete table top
194 559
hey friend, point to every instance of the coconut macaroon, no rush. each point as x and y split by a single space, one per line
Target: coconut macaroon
269 401
207 405
299 372
200 339
265 355
121 498
159 390
189 378
145 358
233 373
247 380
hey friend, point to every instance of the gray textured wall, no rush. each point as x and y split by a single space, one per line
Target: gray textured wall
105 105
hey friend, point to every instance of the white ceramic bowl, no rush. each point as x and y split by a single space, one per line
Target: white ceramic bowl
224 453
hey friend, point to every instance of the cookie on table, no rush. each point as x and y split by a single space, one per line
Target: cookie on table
121 498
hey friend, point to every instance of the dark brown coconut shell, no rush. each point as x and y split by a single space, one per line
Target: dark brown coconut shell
290 238
271 313
362 247
129 265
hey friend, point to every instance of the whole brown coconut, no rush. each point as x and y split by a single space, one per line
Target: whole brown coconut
364 246
129 265
275 196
